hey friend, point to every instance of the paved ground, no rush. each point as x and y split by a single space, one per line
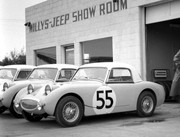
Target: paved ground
164 123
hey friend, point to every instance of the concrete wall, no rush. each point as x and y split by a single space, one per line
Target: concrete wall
125 26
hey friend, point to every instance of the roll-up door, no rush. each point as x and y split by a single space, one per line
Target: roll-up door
163 12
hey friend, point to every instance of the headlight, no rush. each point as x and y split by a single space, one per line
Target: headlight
5 86
48 89
30 89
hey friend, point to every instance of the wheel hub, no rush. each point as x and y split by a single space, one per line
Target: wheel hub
147 104
70 112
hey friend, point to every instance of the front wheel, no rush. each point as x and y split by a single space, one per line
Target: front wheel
146 104
31 117
14 111
69 111
2 109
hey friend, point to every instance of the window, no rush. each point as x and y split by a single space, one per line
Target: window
46 56
91 74
69 55
99 50
7 73
120 75
65 74
44 73
23 74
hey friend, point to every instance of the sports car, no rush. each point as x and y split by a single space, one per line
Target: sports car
11 75
43 74
95 89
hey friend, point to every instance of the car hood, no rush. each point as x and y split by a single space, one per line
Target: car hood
58 87
82 82
78 86
40 81
18 85
2 81
34 82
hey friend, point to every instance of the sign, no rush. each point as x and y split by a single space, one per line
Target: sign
160 73
104 100
79 15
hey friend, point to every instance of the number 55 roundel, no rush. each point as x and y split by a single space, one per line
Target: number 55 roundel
104 100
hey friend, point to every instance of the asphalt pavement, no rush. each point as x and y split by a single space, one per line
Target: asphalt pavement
164 123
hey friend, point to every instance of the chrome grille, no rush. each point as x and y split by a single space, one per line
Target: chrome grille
29 104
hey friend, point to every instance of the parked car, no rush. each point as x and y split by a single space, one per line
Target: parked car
43 74
9 76
95 89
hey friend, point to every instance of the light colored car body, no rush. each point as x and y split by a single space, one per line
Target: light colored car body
12 75
98 95
41 75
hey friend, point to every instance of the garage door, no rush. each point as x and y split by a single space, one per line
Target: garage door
163 12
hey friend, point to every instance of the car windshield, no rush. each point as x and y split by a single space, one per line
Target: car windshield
43 73
7 73
22 75
95 73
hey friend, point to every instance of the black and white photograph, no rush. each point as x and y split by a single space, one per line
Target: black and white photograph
86 68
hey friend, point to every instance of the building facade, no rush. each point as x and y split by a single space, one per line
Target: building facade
143 33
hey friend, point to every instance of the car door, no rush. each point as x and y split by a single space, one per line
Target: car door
121 82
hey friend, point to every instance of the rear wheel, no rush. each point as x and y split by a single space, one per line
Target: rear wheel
31 117
2 109
69 111
146 104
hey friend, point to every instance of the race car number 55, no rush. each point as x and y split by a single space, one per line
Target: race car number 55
104 100
107 92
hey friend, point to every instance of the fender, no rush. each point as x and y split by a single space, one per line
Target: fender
22 93
10 93
85 91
